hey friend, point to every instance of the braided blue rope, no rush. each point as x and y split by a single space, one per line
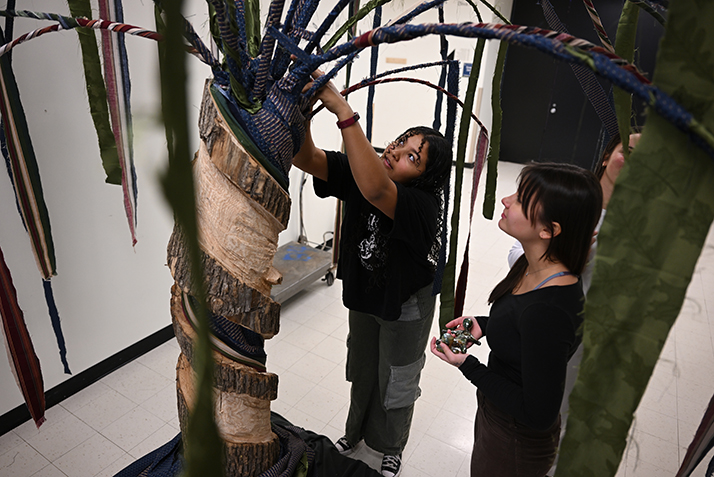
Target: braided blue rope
442 77
266 52
418 10
327 23
453 88
658 100
297 18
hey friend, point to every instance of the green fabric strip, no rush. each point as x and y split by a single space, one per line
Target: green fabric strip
625 48
446 310
652 236
489 200
97 93
252 26
361 13
203 451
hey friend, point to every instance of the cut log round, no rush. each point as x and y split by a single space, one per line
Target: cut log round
226 295
231 158
228 376
249 448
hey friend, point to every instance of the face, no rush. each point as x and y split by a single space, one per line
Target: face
514 221
403 159
613 164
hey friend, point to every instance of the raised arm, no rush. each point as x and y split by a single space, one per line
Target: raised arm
367 167
311 159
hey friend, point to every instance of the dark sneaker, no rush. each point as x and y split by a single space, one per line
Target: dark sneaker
343 446
391 465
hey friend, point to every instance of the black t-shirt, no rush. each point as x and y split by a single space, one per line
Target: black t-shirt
532 336
382 262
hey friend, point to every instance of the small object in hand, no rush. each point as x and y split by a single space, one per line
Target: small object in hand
457 340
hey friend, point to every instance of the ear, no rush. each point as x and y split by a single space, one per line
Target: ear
545 233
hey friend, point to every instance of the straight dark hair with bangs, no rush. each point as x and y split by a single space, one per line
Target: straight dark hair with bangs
562 193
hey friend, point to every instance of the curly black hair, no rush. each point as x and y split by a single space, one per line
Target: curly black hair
435 176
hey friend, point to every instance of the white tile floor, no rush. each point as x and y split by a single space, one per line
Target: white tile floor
100 430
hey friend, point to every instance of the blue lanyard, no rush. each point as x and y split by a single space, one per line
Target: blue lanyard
555 275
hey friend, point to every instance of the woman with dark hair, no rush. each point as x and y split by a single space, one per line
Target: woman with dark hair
607 171
389 248
533 322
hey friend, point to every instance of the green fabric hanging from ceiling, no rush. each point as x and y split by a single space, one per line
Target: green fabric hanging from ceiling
361 13
489 199
97 93
625 48
203 450
448 285
653 233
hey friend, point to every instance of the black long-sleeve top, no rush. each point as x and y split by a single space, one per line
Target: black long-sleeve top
532 336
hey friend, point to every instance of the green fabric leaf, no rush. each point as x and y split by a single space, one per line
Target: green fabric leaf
203 449
97 93
252 26
446 310
361 13
625 48
655 227
489 200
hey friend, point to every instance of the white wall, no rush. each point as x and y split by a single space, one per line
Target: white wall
109 294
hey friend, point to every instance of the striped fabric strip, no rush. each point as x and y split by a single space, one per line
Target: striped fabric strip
479 161
25 177
24 172
68 23
599 29
23 360
116 78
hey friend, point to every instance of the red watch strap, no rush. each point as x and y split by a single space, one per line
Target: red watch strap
348 122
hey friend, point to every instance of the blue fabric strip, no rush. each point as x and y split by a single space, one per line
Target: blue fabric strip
56 325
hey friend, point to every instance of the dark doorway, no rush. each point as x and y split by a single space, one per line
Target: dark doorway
546 115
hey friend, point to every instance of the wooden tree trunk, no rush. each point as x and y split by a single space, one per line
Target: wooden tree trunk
241 210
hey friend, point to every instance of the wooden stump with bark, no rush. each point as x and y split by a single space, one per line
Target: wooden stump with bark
241 209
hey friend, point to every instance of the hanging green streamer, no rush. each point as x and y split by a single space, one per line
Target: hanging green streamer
97 93
446 310
252 26
653 233
203 450
625 48
489 200
361 13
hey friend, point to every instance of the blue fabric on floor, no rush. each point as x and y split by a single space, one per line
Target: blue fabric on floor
324 460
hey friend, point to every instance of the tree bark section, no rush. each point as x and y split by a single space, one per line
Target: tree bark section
238 166
225 294
228 375
241 459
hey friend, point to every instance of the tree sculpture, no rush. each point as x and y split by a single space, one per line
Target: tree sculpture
252 122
